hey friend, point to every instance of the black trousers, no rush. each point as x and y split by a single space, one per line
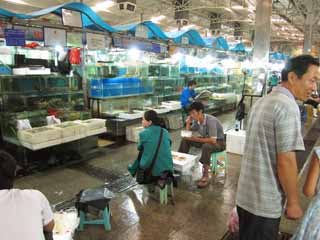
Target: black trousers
252 227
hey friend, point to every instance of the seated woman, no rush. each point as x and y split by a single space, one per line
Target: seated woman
26 214
310 225
148 143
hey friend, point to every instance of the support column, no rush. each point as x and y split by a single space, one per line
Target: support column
262 31
308 27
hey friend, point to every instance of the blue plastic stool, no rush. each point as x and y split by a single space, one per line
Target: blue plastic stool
216 159
104 221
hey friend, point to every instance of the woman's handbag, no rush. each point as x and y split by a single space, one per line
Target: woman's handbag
144 176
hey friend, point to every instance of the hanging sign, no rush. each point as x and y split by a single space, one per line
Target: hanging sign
185 40
96 41
55 37
125 43
141 31
74 39
31 33
14 37
71 18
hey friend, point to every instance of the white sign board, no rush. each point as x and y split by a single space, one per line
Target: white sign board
185 40
71 18
55 37
96 41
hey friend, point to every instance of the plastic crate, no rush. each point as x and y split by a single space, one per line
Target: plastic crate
96 92
96 83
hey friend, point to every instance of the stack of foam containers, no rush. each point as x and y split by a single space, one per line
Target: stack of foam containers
41 137
236 141
70 131
132 133
94 126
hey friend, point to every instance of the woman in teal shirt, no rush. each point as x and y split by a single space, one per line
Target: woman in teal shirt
148 142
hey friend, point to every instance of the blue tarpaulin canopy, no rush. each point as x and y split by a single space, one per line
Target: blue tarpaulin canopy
89 17
92 20
154 31
192 35
239 48
221 44
278 56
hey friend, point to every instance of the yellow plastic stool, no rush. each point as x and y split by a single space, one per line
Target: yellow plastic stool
216 159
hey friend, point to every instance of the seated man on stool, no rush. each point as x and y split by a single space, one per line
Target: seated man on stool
211 137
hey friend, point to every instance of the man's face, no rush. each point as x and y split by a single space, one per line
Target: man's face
304 86
195 115
192 87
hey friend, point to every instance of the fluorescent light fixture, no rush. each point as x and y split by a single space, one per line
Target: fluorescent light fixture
103 6
227 9
17 2
157 19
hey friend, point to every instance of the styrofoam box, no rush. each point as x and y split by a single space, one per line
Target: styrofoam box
96 131
236 141
185 165
172 105
39 135
130 115
94 123
161 110
38 146
71 129
132 133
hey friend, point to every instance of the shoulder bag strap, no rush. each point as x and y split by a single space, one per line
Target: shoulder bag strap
156 153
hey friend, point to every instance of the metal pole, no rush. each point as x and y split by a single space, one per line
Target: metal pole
308 27
262 31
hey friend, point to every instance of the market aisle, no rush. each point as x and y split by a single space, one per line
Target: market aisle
200 214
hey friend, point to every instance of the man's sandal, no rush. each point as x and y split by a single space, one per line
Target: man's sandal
204 182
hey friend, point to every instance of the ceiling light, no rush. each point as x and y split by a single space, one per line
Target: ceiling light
17 2
157 19
103 6
228 9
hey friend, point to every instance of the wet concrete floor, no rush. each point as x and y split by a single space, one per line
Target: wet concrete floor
197 214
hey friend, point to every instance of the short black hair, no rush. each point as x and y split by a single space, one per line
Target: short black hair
8 166
191 83
198 106
299 65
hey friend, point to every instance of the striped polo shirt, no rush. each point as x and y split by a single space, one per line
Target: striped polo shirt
273 127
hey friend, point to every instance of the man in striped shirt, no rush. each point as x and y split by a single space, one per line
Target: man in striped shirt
269 170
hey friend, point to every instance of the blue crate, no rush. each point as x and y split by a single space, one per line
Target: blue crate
131 90
95 83
96 92
113 89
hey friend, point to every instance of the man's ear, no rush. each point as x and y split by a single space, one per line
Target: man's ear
292 77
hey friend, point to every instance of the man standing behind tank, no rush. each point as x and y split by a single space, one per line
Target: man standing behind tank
269 170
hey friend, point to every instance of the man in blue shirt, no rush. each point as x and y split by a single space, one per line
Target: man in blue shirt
188 94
